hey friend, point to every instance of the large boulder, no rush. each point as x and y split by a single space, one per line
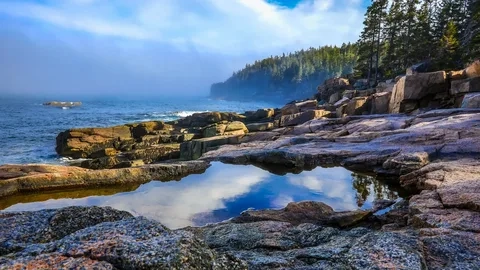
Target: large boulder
208 118
460 87
358 106
343 101
82 142
302 117
254 127
225 128
293 108
304 212
332 86
410 90
194 149
471 101
380 102
457 75
141 129
473 70
261 114
334 98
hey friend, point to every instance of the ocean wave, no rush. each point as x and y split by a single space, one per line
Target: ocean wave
187 113
68 160
168 115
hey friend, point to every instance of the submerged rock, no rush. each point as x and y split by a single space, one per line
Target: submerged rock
305 212
63 103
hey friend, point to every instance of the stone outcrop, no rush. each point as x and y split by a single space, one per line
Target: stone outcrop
380 103
254 127
470 85
225 128
207 118
305 212
385 145
259 114
147 142
37 177
297 107
431 153
473 70
100 238
63 104
302 117
410 91
194 149
330 86
471 101
108 238
81 143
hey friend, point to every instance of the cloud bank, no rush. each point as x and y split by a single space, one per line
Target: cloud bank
159 47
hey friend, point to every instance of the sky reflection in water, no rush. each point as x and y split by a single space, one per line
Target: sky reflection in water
224 191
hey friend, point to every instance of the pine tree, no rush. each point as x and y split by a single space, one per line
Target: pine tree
394 22
370 40
424 49
471 36
449 55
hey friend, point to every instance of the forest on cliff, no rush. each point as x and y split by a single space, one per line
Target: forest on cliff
441 34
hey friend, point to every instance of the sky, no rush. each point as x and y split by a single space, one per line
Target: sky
156 47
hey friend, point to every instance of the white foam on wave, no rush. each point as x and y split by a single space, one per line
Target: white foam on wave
70 160
187 113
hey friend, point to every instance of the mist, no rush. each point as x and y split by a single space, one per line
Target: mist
132 49
99 67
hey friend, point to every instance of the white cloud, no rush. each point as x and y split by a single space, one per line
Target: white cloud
174 204
229 27
335 184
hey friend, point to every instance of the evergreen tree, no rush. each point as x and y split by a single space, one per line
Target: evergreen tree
295 74
449 55
424 49
394 22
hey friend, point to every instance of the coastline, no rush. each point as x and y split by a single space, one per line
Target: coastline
431 152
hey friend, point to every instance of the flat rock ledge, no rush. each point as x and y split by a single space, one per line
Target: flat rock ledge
36 177
105 238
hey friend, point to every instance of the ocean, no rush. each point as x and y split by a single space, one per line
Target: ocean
28 135
28 128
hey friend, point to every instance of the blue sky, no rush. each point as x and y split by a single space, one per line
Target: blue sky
157 46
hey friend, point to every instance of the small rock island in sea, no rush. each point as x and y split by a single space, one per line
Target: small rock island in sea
62 104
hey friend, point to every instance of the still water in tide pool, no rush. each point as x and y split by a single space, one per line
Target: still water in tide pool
222 192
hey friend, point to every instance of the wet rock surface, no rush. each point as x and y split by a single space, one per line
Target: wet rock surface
38 177
432 153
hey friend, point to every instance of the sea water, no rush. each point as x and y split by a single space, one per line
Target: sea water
222 192
28 128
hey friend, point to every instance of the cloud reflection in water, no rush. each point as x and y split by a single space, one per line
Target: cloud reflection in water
224 191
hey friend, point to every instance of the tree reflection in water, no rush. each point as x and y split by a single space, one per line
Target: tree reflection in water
365 185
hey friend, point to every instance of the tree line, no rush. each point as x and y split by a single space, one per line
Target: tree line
295 73
441 34
398 34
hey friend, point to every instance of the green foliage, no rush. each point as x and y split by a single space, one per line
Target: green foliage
415 31
295 75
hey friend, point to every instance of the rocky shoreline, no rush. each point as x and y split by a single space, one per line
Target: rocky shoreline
421 132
